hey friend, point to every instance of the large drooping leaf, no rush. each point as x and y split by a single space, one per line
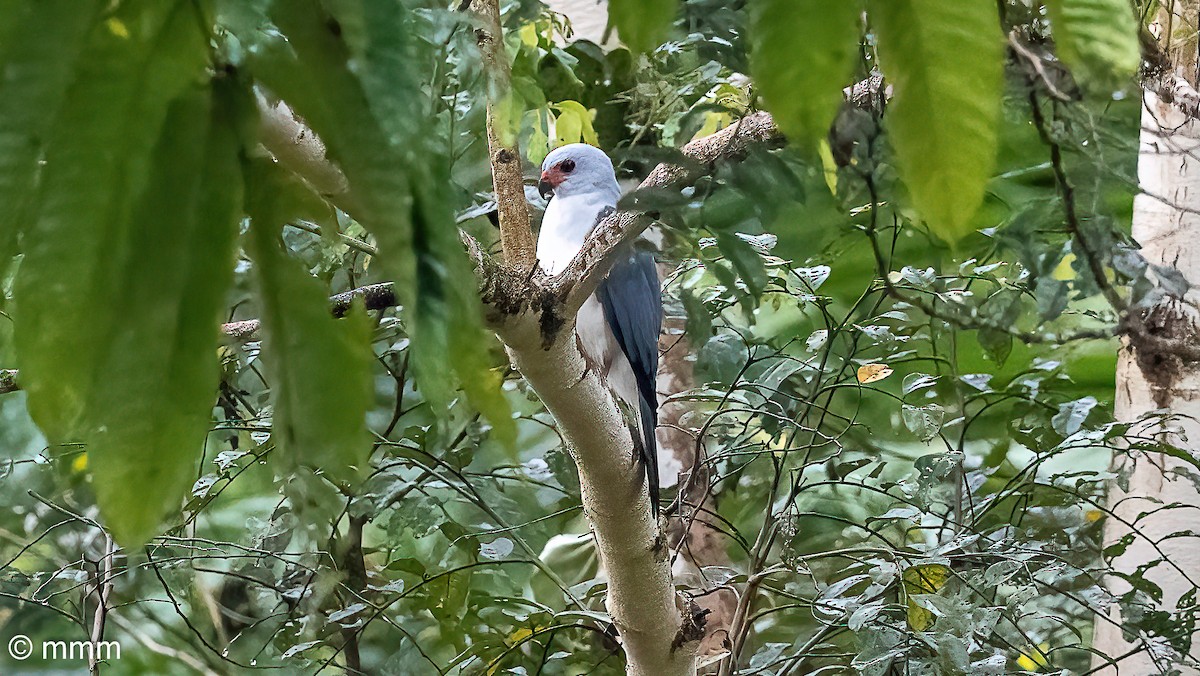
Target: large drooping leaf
39 45
345 75
119 295
945 61
641 24
803 53
446 325
319 367
1097 39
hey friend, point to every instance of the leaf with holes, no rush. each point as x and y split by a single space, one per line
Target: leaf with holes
923 421
873 373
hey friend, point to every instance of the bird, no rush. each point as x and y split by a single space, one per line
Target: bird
618 326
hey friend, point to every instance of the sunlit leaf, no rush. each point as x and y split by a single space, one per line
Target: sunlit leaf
1097 39
945 61
574 124
1033 658
319 367
923 579
803 53
873 373
641 24
126 267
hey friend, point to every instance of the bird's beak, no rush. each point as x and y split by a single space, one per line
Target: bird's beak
547 184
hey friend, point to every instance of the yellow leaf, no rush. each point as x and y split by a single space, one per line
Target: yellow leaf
79 464
872 373
925 579
1064 272
574 124
714 122
1035 658
519 635
1093 515
828 166
529 35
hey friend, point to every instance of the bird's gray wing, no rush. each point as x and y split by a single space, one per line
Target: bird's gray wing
632 302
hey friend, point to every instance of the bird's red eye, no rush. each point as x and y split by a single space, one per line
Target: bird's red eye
567 166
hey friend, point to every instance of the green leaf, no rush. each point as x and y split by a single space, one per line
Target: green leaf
945 61
119 295
641 24
447 327
923 421
369 119
1097 39
803 53
746 260
39 45
319 367
1072 414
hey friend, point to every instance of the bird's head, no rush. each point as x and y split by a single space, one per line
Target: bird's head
577 169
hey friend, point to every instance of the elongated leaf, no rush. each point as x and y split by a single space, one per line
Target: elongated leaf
1097 39
39 45
96 164
447 331
319 366
641 24
400 190
151 407
125 270
802 54
945 61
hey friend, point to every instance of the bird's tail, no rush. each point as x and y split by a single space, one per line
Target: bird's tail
650 452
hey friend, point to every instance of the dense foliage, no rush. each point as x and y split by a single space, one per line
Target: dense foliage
902 334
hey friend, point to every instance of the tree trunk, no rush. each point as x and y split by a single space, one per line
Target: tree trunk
654 622
1167 225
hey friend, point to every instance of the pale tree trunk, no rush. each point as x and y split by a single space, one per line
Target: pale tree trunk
660 629
1167 225
693 541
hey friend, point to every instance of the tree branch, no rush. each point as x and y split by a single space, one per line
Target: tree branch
516 236
580 279
372 297
535 315
289 139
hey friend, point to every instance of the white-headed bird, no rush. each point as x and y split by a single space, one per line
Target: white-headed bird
618 326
